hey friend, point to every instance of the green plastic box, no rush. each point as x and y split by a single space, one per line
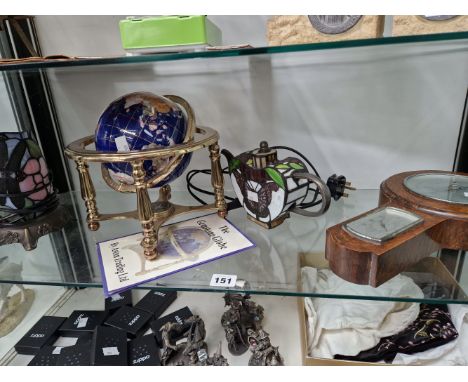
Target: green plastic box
168 33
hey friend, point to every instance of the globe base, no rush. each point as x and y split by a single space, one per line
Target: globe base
93 226
152 215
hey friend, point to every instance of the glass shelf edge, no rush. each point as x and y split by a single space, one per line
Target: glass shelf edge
277 265
236 52
284 293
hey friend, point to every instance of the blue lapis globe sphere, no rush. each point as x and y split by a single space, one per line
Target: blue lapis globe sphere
139 121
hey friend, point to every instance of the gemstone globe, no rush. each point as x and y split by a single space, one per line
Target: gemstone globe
139 121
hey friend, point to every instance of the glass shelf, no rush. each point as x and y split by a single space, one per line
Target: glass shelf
269 50
273 267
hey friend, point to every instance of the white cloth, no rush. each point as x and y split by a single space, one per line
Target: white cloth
451 354
344 326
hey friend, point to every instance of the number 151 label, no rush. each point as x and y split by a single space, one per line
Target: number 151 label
223 280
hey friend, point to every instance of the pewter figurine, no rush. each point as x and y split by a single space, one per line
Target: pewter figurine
13 308
217 359
242 315
189 352
263 353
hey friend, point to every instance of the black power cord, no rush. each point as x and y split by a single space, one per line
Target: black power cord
233 203
336 184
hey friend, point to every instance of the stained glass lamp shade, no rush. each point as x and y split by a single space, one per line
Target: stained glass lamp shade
26 191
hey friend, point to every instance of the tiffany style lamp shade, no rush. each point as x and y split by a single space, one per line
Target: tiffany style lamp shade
27 196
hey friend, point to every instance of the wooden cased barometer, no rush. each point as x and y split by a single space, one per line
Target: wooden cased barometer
419 213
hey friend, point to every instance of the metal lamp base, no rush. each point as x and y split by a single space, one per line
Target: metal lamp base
272 224
29 233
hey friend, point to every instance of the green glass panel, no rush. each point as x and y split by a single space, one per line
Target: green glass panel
270 50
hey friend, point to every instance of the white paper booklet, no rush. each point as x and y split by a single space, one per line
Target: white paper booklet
181 246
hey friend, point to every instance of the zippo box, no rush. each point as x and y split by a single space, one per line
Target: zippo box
156 302
177 316
43 333
109 347
82 321
168 33
45 357
78 355
430 266
118 300
84 338
131 320
143 351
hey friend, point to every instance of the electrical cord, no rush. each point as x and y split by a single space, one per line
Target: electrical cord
233 203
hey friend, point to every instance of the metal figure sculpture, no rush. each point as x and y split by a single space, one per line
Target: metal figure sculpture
242 315
263 353
217 359
188 352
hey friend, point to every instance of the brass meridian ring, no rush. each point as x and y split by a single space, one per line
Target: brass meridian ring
203 137
77 149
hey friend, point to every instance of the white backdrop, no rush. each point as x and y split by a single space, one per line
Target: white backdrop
363 112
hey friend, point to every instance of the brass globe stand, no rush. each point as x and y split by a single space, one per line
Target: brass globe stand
151 215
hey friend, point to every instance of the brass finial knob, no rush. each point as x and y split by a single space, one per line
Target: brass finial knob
264 147
263 156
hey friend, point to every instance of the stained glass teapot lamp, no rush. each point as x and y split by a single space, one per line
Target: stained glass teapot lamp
29 207
145 141
419 213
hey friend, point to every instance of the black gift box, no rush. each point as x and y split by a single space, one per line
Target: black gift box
156 302
177 316
109 347
43 333
78 355
118 300
45 357
82 321
143 351
131 320
84 338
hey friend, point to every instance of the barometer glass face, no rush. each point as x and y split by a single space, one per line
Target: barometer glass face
382 224
333 24
448 188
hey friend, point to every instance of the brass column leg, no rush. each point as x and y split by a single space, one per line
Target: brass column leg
217 180
88 194
145 211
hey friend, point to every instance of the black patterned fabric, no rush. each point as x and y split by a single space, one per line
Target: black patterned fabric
432 328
